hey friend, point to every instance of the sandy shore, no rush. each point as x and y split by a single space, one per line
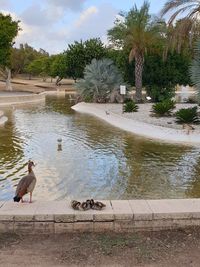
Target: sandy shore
142 123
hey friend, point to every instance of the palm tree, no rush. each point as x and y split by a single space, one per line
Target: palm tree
189 25
190 8
136 31
195 69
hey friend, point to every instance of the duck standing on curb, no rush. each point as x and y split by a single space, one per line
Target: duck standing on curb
26 184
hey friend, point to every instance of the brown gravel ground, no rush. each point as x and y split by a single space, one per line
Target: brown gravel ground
164 248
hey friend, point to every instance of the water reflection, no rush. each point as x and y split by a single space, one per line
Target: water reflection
97 160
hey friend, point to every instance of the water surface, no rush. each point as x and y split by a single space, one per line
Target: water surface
97 160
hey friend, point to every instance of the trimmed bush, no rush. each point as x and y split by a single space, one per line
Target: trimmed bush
164 108
187 115
130 106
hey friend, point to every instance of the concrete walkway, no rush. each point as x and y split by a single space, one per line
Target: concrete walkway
119 215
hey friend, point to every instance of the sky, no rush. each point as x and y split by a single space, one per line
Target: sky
53 24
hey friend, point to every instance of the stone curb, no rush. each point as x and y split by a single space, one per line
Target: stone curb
48 217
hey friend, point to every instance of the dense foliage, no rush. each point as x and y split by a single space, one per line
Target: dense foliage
80 54
163 108
187 115
101 81
8 31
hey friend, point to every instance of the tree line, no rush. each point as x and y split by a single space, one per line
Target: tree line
146 49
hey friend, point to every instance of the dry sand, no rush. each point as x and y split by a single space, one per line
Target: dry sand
143 123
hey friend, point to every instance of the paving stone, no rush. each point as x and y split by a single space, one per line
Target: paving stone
105 214
44 228
18 211
24 227
141 210
175 208
122 210
83 226
62 228
83 215
62 211
45 211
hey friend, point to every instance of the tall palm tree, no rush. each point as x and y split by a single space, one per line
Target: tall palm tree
189 8
137 31
195 69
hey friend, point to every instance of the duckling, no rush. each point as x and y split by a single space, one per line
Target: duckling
97 205
76 205
85 205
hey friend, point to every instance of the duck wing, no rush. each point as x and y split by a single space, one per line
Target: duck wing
23 185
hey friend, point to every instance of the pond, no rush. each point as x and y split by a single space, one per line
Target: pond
97 160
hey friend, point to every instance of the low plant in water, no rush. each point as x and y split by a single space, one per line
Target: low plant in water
164 108
130 106
187 115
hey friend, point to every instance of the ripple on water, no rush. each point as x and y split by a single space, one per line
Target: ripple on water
97 160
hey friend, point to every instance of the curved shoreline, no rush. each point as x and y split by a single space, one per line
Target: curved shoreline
140 128
14 98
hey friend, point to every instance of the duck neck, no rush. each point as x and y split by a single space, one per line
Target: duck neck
30 169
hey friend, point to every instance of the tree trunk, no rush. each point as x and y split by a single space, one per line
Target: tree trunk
139 61
8 80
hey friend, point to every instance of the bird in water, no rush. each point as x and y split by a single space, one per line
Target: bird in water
26 184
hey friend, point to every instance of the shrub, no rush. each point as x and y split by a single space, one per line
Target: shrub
187 115
164 108
130 106
101 81
158 93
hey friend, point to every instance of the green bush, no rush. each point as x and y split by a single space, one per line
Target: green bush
187 115
164 108
130 106
158 93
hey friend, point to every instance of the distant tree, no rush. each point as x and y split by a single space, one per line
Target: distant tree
24 55
8 31
58 67
79 54
39 67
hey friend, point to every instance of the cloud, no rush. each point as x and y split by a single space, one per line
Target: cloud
4 3
74 5
52 29
95 24
85 15
38 16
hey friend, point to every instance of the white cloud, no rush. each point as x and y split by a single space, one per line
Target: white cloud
85 15
95 25
4 3
74 5
52 30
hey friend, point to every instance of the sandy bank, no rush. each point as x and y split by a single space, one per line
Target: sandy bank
142 123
